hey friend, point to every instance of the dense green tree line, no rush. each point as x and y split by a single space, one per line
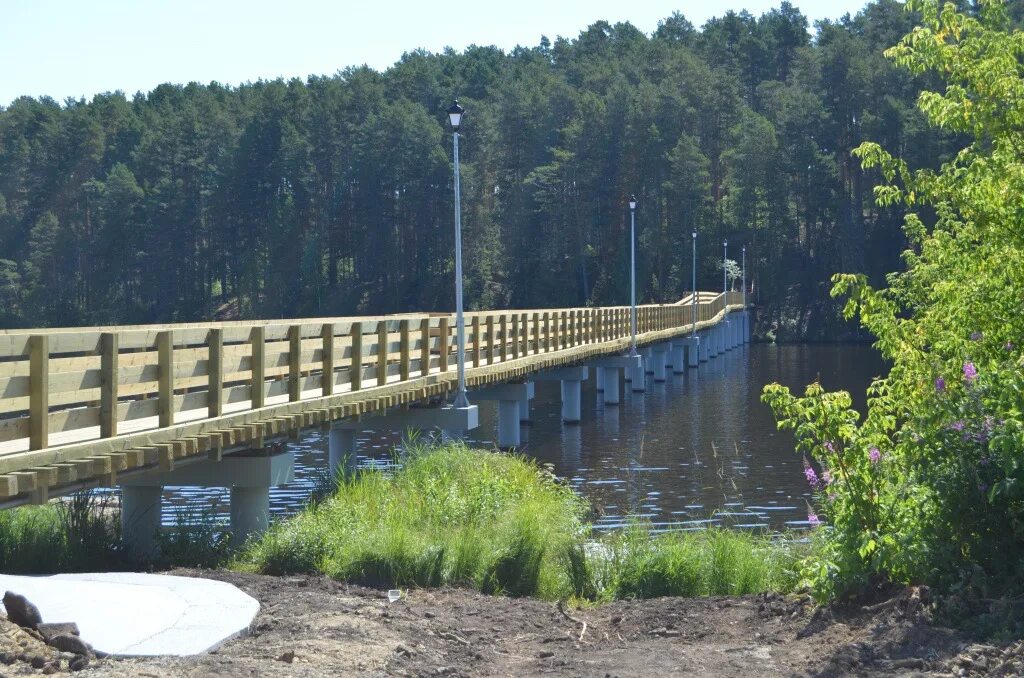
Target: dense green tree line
334 195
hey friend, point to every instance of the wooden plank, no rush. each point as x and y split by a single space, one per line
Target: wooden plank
215 376
515 336
503 332
8 486
356 364
165 349
443 346
39 398
405 358
294 363
425 347
476 340
382 353
536 333
490 339
327 353
109 384
258 342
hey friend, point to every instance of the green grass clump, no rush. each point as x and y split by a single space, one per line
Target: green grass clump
75 535
449 515
715 561
499 523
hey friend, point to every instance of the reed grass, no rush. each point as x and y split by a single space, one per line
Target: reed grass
499 523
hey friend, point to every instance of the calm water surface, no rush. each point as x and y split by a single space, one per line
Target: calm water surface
700 448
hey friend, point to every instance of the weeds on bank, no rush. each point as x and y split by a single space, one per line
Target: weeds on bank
499 523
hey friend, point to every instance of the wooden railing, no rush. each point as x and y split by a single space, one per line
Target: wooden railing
63 387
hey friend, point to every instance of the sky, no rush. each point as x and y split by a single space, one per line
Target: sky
76 48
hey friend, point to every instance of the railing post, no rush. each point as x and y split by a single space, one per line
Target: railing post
356 362
404 367
165 356
490 339
442 348
476 340
327 355
108 384
515 336
215 373
503 331
382 352
294 363
425 346
39 391
259 362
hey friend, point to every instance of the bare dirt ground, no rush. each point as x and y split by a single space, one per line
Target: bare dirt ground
313 626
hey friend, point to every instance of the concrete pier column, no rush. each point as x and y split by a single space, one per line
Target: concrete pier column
648 354
341 450
737 322
600 380
727 344
693 351
678 357
140 518
704 346
571 401
611 385
250 512
638 378
508 423
658 362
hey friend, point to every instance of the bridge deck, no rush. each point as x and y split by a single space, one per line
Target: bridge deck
78 405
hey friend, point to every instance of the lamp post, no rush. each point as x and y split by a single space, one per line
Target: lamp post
744 278
632 272
455 114
693 300
725 269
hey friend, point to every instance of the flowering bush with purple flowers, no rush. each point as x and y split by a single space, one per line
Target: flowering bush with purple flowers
928 487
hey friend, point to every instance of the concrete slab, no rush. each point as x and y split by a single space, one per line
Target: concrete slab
133 614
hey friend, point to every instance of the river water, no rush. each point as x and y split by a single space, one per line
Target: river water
700 448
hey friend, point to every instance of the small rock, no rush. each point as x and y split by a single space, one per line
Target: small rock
48 631
8 658
616 620
79 663
51 668
38 661
69 643
21 611
429 615
287 657
404 651
545 654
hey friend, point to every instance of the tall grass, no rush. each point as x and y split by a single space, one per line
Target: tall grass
499 523
74 535
449 515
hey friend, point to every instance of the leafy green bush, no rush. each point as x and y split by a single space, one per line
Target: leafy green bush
928 487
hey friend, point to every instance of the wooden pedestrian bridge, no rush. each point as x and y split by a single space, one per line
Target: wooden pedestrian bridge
87 407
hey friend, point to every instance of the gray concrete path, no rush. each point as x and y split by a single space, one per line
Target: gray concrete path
131 614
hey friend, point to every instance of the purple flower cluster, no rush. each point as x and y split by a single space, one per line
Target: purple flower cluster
812 519
976 335
812 477
1008 346
958 425
874 454
829 446
940 385
970 372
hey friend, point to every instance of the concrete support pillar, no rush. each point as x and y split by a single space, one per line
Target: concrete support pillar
638 378
648 360
341 451
524 410
704 346
658 362
611 385
727 344
140 519
571 401
737 323
600 380
693 351
508 423
678 357
250 512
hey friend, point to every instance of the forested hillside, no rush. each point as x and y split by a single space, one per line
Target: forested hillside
334 195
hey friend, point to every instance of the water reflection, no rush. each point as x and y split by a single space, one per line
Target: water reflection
698 448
